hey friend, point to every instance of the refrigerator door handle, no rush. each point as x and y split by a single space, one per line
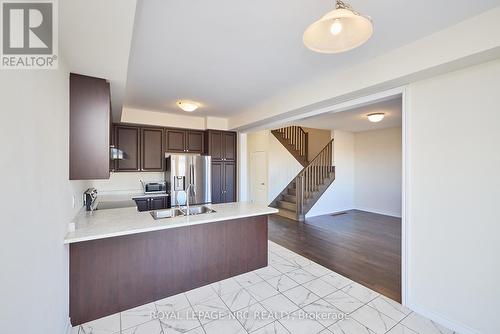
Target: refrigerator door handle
192 180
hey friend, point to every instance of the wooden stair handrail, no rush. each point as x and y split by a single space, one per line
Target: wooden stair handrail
298 138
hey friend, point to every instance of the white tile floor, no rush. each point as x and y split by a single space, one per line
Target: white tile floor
291 295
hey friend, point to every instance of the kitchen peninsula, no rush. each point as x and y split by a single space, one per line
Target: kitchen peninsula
122 258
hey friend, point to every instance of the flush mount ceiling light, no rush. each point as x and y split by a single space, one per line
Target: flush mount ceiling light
376 117
340 30
188 106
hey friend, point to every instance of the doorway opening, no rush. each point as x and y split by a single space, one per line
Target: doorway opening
356 227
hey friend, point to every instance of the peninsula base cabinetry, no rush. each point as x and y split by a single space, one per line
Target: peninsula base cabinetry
114 274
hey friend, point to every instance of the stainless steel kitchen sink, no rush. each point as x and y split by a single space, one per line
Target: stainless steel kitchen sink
176 212
199 210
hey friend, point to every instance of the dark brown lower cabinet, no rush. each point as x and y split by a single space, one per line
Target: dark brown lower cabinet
142 204
152 203
223 182
114 274
158 203
217 182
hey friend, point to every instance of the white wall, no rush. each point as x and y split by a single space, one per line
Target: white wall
180 119
243 178
454 222
36 201
340 195
378 171
126 182
283 167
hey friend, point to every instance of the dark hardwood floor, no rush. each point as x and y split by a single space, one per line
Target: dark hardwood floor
362 246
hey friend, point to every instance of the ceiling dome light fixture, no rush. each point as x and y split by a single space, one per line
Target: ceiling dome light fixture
376 117
340 30
188 106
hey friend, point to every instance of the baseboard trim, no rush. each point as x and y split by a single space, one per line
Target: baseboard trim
330 213
442 320
385 213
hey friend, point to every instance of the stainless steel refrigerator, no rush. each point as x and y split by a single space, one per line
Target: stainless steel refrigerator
183 170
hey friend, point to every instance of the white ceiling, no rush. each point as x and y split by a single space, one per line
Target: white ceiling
355 120
95 40
232 54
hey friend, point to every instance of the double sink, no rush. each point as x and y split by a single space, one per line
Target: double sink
176 212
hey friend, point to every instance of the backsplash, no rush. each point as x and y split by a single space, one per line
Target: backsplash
120 182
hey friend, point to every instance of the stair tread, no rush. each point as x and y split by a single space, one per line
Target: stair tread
287 205
287 214
286 210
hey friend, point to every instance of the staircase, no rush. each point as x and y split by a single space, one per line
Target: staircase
295 140
306 188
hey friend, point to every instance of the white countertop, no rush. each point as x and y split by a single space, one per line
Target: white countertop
117 222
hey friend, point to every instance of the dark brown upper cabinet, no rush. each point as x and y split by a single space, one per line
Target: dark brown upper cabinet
142 149
184 141
221 145
127 139
194 141
176 141
214 145
89 128
152 152
229 139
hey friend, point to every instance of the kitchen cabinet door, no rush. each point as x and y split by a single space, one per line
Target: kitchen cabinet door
127 140
194 141
176 141
152 153
89 122
217 182
142 204
157 203
229 182
215 149
229 140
